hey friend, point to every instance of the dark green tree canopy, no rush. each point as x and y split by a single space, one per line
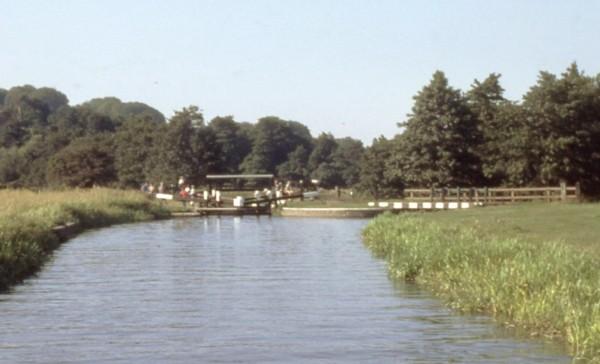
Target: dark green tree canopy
84 163
438 144
3 93
120 111
273 140
564 115
233 142
450 139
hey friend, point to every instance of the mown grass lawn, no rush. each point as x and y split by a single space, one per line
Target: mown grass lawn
577 224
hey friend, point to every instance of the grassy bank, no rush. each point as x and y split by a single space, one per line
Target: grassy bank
527 277
27 219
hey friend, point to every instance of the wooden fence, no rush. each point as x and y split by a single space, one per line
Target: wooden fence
495 195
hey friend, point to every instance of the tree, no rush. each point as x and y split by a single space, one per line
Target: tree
207 154
233 143
12 133
346 160
134 145
374 163
3 93
84 163
511 152
440 139
174 155
322 152
295 168
190 114
564 115
52 98
486 101
273 139
119 111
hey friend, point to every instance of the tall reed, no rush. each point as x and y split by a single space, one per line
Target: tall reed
27 219
549 289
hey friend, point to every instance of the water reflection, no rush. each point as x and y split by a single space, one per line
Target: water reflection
238 290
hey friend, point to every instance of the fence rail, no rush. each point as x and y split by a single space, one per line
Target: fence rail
494 195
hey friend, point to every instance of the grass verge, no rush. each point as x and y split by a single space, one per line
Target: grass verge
27 219
550 288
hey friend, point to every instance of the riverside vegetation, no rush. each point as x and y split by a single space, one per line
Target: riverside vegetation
538 277
27 219
471 138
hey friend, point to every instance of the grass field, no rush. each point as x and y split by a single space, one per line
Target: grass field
329 198
27 219
575 224
533 266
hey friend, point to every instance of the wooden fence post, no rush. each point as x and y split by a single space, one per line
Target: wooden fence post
563 191
458 195
432 194
578 191
477 195
512 195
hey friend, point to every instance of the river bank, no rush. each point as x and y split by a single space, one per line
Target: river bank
549 287
33 224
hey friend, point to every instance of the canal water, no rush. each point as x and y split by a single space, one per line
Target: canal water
239 290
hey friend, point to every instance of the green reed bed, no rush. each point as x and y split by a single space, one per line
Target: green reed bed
27 219
548 288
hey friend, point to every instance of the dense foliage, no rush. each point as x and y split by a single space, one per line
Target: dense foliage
481 138
451 138
44 141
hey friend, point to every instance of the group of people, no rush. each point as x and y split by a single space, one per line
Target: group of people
150 188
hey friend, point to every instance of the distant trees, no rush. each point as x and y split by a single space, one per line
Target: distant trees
273 139
84 163
564 117
481 138
120 111
438 146
135 147
335 162
451 138
377 170
233 142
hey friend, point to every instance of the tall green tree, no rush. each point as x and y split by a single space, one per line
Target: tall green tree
440 139
233 142
207 154
273 140
324 147
174 155
374 178
486 100
564 115
134 144
346 160
296 166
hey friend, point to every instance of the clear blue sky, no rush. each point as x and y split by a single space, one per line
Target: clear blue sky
349 67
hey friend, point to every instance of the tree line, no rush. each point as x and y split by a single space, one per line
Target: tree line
480 138
451 138
46 142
